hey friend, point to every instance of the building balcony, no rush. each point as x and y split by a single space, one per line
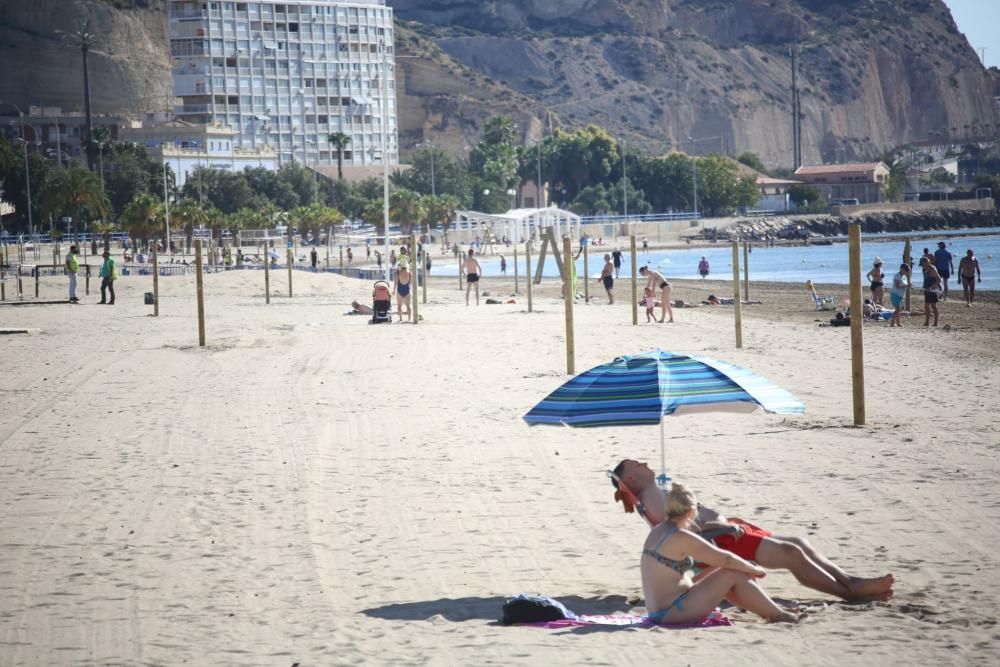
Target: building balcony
188 109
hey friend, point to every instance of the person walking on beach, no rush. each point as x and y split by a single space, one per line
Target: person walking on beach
368 250
945 266
401 288
72 266
607 277
900 282
703 268
503 265
746 540
109 273
877 279
378 259
968 270
656 280
427 263
350 256
645 245
471 270
932 288
313 258
616 257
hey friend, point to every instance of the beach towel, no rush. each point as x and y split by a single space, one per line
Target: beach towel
517 610
714 620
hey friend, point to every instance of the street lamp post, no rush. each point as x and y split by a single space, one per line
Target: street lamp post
624 185
166 204
384 121
430 146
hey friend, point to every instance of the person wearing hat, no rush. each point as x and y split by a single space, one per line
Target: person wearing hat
877 279
72 266
945 266
109 273
401 288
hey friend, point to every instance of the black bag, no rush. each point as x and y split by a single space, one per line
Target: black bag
533 609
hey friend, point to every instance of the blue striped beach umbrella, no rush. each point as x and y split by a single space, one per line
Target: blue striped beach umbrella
641 389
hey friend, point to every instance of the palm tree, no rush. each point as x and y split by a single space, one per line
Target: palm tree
74 192
101 138
189 215
405 209
439 210
82 38
339 141
143 216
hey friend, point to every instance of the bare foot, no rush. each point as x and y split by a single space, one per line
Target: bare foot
786 617
864 587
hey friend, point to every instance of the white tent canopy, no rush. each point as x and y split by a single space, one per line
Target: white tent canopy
519 224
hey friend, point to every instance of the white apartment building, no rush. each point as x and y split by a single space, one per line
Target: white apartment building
285 75
185 147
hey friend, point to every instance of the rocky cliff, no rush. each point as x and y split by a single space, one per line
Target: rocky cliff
874 73
129 64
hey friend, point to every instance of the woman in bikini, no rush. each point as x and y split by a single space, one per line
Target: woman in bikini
657 281
668 569
401 288
877 279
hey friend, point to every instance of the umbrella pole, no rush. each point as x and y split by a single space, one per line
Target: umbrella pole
663 479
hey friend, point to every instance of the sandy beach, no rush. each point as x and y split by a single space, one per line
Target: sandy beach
312 490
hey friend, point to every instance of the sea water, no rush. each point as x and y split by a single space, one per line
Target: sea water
787 264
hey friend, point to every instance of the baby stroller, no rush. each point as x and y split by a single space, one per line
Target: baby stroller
381 303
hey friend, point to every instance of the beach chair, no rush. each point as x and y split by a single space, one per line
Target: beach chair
381 303
824 302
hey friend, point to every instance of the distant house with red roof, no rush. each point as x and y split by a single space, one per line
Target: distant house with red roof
864 181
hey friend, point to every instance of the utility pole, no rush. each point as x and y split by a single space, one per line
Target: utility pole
796 123
624 184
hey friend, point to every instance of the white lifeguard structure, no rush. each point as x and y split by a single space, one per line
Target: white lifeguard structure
519 224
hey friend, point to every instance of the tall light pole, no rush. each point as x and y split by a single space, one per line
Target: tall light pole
538 195
624 184
430 146
385 155
694 167
27 171
166 201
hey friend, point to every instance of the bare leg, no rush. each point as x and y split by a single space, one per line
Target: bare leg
776 554
665 306
477 293
705 595
934 309
804 569
468 286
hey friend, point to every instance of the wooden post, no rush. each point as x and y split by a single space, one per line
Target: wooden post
341 260
423 289
156 285
37 271
586 275
527 270
568 297
909 262
200 287
857 320
737 308
267 276
635 283
461 258
746 270
328 235
515 270
87 281
414 277
291 259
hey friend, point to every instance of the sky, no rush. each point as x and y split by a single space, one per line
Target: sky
980 21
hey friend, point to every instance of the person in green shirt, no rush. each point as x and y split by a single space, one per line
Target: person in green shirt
72 266
108 275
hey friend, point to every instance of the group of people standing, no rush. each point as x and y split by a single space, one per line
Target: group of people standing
108 273
937 269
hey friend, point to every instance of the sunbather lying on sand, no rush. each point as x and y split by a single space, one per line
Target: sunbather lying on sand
359 309
751 542
668 569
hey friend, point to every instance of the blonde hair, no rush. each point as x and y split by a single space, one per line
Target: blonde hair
680 501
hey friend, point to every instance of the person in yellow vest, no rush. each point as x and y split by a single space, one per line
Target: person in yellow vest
109 273
72 266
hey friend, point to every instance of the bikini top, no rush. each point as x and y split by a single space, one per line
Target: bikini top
679 566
